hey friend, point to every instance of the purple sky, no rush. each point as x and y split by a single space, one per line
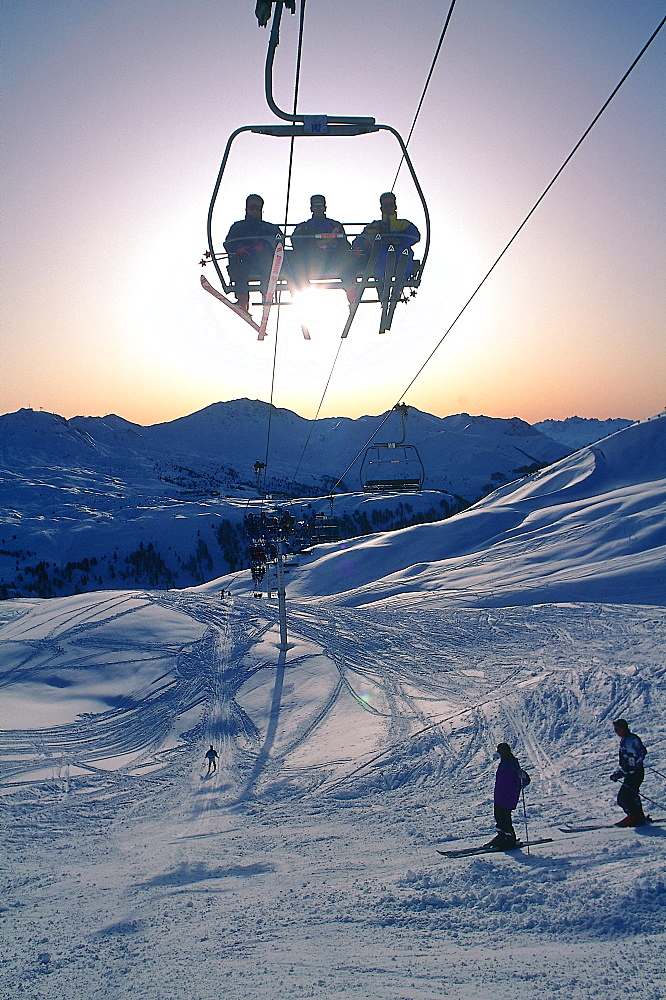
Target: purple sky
115 117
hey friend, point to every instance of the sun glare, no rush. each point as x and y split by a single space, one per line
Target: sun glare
321 310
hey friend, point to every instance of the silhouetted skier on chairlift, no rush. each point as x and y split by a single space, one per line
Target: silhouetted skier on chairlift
250 244
321 250
211 757
401 234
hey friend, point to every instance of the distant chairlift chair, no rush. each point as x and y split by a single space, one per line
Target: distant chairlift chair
393 465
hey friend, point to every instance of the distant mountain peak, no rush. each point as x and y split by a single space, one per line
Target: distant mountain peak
577 432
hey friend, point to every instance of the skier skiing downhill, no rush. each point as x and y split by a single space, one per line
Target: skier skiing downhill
211 757
631 774
509 782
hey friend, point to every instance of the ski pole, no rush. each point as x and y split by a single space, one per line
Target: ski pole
654 803
655 771
527 836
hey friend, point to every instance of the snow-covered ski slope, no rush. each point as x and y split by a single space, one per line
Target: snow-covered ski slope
307 866
590 527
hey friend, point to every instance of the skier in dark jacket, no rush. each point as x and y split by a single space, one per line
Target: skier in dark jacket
211 757
631 774
250 244
509 782
321 249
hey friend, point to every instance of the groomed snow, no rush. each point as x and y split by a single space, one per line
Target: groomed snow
307 866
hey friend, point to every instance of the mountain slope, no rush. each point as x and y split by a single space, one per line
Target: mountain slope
576 432
99 502
598 515
308 865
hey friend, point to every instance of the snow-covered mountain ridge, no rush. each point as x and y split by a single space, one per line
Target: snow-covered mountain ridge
576 432
94 502
597 515
99 501
215 448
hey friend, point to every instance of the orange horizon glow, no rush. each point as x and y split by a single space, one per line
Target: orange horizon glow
113 141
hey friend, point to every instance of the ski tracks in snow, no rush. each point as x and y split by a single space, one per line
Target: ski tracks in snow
299 837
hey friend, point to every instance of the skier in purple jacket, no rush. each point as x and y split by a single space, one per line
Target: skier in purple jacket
509 782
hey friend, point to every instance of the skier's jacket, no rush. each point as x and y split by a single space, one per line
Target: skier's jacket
304 237
250 237
406 233
632 754
509 782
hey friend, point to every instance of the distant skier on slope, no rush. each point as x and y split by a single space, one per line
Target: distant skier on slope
631 774
509 782
211 757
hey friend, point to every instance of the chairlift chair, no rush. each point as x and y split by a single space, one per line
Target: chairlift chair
324 528
311 126
393 465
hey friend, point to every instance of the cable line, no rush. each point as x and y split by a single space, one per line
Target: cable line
321 401
536 204
286 216
427 83
402 160
509 244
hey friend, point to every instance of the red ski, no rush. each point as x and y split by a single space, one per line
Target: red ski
270 291
231 305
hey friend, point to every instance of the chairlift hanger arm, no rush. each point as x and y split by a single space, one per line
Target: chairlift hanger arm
273 43
424 205
403 410
209 223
